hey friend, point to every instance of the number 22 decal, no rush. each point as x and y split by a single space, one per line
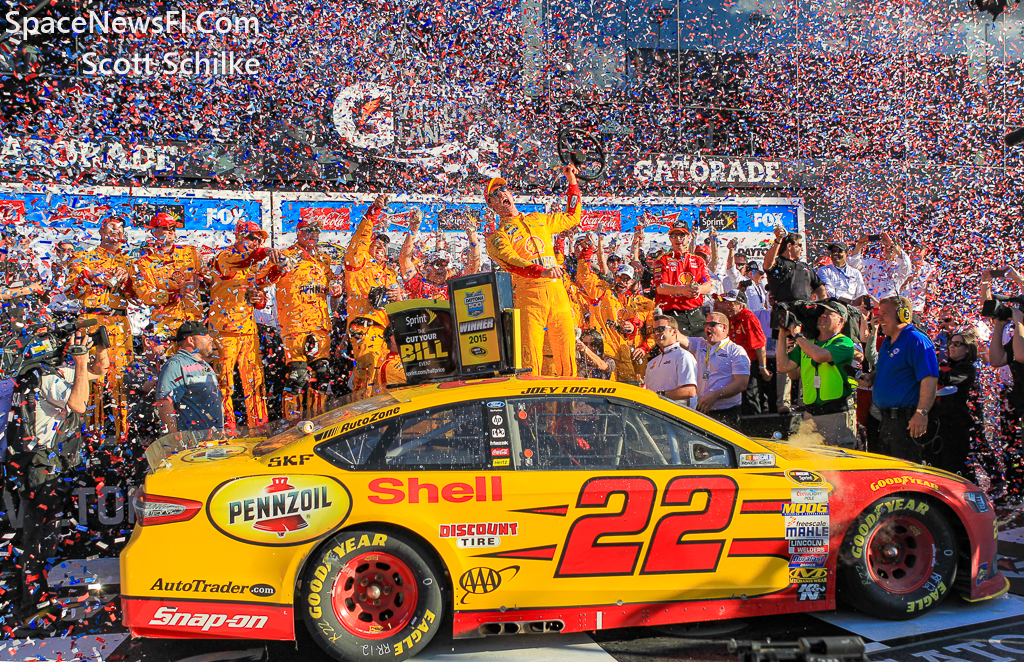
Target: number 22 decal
585 554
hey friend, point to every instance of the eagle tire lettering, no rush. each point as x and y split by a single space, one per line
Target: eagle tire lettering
898 558
326 592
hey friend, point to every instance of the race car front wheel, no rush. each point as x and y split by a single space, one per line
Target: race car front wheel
899 558
369 593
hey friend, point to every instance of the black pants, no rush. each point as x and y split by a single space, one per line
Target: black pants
894 437
751 397
45 507
730 416
691 322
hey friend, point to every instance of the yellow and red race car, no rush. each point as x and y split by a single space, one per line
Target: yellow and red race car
532 505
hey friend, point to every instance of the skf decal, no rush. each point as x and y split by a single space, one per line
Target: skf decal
805 478
477 581
810 592
902 480
808 575
279 510
487 534
757 460
289 461
213 454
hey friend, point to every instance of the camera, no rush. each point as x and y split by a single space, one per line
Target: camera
786 314
22 354
996 308
744 284
378 297
874 237
997 273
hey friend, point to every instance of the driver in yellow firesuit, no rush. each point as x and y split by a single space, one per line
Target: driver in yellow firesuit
306 321
370 284
523 244
239 280
99 279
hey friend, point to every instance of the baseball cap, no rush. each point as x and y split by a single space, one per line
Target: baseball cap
703 251
382 237
679 227
440 255
162 220
733 295
190 328
310 222
248 227
838 244
626 270
753 266
615 256
493 184
835 307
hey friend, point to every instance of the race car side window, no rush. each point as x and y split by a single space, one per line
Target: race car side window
567 433
354 449
449 437
653 441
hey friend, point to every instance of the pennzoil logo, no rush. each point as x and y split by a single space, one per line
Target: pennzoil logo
478 581
279 510
808 575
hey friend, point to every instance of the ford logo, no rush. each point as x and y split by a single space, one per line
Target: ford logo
495 404
262 590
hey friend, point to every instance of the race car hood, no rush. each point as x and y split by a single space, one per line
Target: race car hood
221 453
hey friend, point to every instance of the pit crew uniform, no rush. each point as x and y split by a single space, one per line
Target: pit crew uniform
107 303
685 269
232 324
524 247
151 279
305 330
608 313
365 323
640 310
418 287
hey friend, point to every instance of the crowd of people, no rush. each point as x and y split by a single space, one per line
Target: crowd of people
851 353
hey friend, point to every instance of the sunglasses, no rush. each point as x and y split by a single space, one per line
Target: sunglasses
836 250
252 236
497 191
947 319
957 343
661 329
440 264
312 230
714 323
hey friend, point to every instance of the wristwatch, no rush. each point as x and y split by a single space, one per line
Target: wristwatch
923 412
799 335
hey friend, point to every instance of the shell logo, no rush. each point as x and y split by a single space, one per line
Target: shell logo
279 511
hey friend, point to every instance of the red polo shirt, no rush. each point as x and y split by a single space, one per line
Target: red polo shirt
745 331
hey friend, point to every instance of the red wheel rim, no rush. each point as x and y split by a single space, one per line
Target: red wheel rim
374 595
901 554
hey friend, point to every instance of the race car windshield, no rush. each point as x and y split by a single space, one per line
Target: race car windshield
331 418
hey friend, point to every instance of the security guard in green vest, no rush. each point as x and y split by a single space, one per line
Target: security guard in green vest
821 367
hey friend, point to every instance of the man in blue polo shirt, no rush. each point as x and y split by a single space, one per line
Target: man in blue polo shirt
187 395
904 381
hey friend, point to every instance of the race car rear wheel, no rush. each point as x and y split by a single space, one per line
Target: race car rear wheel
899 558
369 593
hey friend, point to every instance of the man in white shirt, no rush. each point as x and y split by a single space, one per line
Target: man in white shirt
922 274
841 280
673 373
883 276
723 370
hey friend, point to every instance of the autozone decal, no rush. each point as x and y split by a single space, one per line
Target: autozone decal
366 420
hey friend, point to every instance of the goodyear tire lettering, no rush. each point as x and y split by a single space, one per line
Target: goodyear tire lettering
327 623
873 594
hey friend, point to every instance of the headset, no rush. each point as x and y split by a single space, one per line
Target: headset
904 313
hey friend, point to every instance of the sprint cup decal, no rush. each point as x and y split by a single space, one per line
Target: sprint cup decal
279 511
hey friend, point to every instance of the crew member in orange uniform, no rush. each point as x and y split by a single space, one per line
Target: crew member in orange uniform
169 278
370 285
99 280
306 321
429 279
523 245
239 278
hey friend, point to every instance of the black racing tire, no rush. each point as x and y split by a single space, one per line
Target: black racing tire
342 617
899 558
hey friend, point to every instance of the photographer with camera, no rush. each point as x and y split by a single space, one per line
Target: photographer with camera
240 274
370 284
46 447
821 366
904 382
